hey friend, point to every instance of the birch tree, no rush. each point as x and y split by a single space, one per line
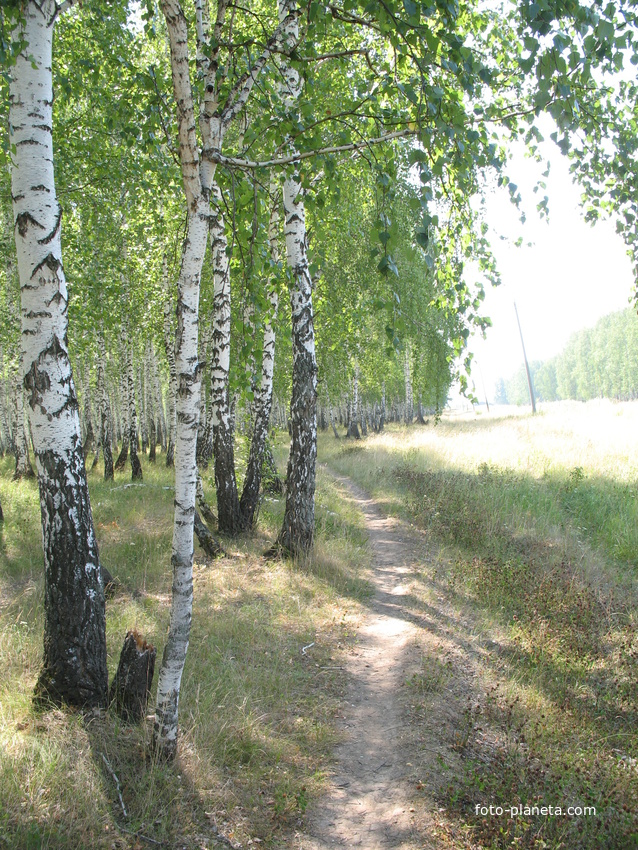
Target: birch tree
228 510
197 162
74 664
264 392
297 529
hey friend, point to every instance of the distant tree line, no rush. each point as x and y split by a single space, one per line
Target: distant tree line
598 362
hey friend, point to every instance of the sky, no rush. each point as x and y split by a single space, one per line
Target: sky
571 276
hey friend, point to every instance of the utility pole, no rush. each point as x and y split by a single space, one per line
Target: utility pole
529 377
487 404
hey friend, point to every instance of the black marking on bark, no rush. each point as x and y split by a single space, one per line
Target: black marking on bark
56 227
57 299
36 383
51 262
41 188
23 220
74 669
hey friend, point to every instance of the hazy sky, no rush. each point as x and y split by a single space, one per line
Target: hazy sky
572 275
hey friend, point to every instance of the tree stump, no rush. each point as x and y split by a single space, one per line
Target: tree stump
131 686
271 481
110 583
209 544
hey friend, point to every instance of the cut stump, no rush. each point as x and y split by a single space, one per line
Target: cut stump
131 686
209 544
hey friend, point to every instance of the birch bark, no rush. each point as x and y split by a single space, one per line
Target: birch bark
74 665
169 345
263 400
297 530
353 408
136 466
188 388
159 402
105 410
89 433
120 463
7 431
143 406
23 468
409 402
151 413
228 510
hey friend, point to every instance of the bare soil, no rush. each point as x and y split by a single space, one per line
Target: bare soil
409 705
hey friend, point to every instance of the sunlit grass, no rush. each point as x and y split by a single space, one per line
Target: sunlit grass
260 691
537 521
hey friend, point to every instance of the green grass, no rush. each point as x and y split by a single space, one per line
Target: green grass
534 526
536 523
256 712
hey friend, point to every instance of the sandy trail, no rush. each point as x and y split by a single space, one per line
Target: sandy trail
369 804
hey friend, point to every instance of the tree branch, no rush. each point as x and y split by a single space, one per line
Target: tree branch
241 91
249 165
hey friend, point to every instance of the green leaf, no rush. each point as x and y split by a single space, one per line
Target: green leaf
411 8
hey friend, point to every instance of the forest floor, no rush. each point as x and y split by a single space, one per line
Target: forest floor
387 777
464 635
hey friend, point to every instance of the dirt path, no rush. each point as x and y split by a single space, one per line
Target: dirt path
368 804
386 754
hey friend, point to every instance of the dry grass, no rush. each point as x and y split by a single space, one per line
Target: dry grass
257 703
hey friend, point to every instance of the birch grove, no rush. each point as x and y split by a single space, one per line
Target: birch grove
364 131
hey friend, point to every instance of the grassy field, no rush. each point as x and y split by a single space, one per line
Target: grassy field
536 525
534 522
256 713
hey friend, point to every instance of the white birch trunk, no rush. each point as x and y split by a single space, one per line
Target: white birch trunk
7 431
74 665
263 394
89 432
169 345
23 468
136 467
105 410
409 402
189 384
197 179
120 463
159 402
142 403
228 511
297 530
152 416
353 412
205 413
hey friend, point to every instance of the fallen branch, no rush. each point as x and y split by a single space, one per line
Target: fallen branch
117 783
